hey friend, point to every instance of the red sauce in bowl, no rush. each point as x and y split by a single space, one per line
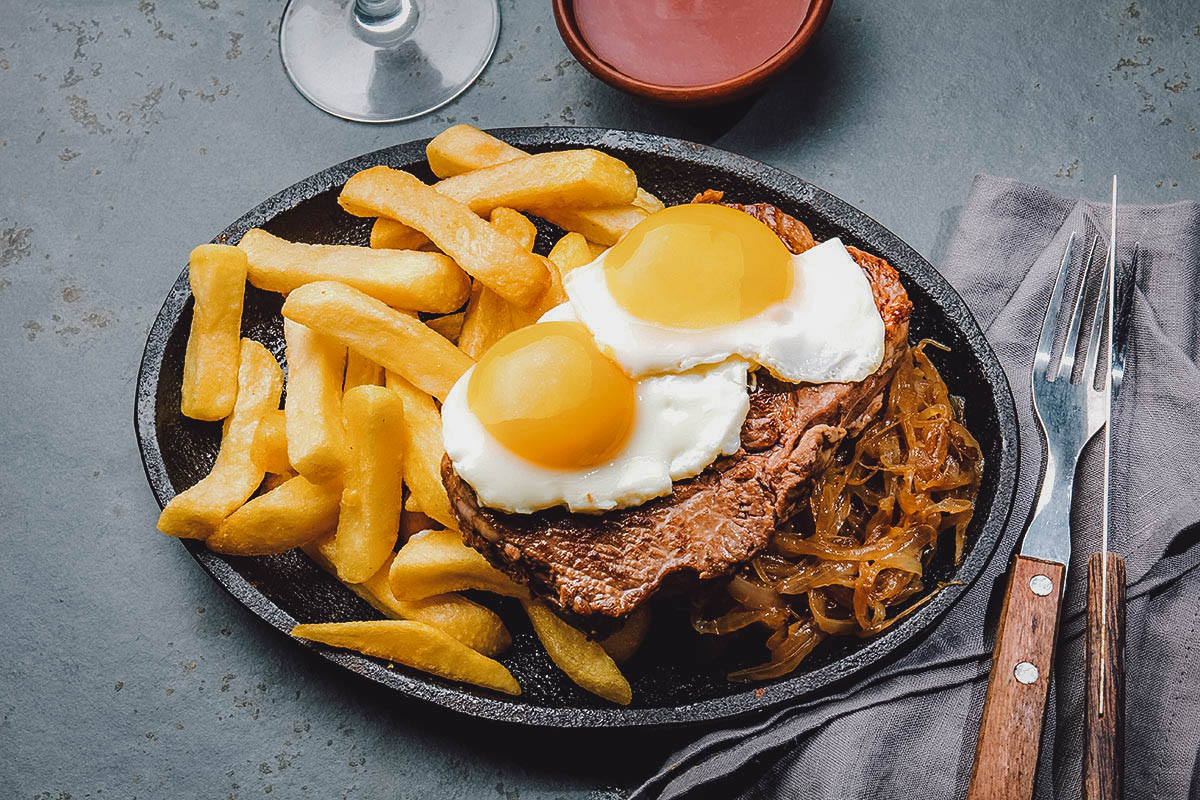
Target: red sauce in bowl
688 42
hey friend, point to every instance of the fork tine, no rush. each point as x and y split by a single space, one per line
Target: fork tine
1067 365
1097 333
1046 339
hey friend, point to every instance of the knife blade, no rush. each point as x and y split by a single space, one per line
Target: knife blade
1104 720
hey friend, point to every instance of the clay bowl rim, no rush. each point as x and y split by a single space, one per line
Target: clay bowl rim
704 94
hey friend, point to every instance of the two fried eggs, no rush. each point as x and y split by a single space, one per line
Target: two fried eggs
640 379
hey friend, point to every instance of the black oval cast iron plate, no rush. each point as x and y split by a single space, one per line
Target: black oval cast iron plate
678 678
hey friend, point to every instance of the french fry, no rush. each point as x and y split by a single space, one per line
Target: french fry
361 371
313 405
553 296
217 275
423 451
583 661
487 320
269 448
463 148
476 626
648 202
449 326
369 520
514 225
394 340
437 562
570 252
389 234
416 645
293 513
196 512
625 641
596 248
559 179
603 225
488 317
491 257
407 279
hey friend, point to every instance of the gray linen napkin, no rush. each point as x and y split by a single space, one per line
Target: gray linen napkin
908 730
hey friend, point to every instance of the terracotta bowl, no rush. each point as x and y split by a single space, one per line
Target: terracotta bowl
704 95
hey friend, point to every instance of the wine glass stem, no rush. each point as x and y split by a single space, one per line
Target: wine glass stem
385 21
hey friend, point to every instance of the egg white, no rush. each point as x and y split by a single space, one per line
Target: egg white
682 423
827 329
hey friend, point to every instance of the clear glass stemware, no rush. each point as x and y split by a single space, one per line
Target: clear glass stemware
386 60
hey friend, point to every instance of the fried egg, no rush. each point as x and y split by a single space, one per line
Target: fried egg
700 283
545 419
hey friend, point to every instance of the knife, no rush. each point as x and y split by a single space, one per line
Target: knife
1104 709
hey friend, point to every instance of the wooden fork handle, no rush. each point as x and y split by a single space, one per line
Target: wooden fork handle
1006 754
1104 733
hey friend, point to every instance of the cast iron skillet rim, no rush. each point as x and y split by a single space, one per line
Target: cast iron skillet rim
476 702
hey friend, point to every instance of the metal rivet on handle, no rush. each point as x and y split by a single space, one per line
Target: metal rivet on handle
1025 672
1041 585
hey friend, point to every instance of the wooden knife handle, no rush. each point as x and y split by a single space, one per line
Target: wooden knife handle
1104 729
1009 735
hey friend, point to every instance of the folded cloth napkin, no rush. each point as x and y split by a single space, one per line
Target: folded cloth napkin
908 729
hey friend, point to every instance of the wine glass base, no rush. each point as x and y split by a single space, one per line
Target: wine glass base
379 74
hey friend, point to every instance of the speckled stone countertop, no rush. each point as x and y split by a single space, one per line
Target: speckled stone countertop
133 130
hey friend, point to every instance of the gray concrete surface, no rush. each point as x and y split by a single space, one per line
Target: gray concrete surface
130 131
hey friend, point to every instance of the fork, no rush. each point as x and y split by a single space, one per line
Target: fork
1069 411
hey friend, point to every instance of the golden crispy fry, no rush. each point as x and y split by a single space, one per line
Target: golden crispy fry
491 257
648 202
553 296
196 512
390 338
603 225
217 274
514 225
423 451
449 326
291 514
487 320
415 645
437 562
407 279
389 234
269 449
476 626
625 641
570 252
562 178
369 520
583 661
596 249
463 148
361 371
312 406
488 317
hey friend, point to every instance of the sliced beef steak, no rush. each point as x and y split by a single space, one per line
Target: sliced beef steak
597 568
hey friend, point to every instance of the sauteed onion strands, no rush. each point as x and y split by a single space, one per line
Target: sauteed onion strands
858 549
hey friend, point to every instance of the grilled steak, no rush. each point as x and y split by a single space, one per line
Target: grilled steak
597 569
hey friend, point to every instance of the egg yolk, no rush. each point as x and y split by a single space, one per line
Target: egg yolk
698 266
549 395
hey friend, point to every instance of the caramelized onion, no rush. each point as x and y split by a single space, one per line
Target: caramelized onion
851 561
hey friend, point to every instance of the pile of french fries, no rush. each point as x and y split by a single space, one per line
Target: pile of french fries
368 365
